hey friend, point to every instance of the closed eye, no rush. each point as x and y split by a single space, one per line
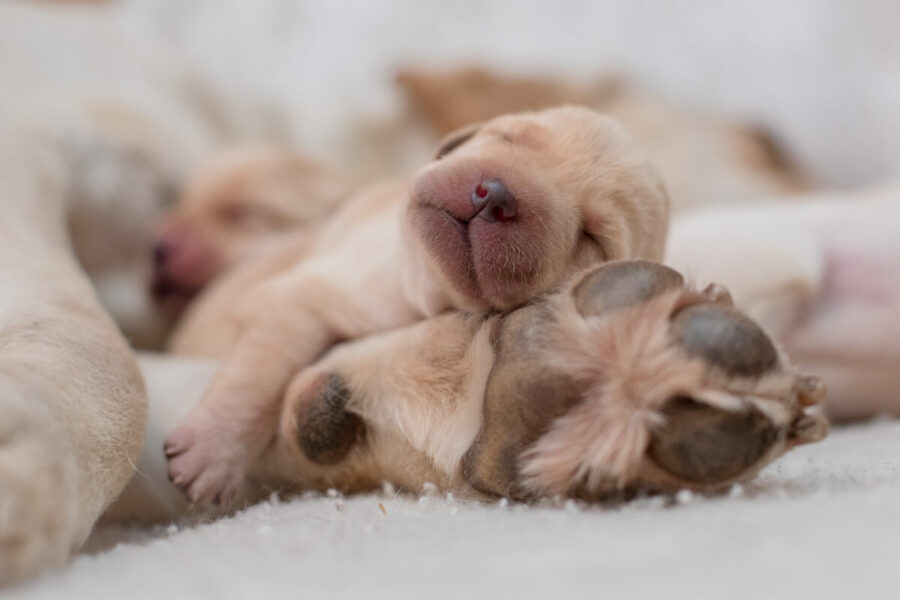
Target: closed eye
456 139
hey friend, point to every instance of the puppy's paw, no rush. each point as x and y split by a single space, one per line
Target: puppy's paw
204 460
636 380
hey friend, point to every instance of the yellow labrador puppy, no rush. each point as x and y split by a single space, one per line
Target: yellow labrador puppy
508 210
238 202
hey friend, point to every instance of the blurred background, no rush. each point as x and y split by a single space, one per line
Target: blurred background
822 75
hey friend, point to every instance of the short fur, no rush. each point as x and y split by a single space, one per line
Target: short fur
397 254
425 406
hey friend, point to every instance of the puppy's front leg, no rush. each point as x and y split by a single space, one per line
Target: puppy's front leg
209 451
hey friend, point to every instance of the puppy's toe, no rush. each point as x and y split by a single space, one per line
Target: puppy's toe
810 390
203 464
178 441
718 293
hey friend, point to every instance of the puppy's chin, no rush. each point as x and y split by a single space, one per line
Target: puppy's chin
491 263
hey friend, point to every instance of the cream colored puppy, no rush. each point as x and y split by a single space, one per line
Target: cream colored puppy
507 211
239 201
625 379
705 158
822 275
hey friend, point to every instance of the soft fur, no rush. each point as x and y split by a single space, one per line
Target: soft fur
705 158
397 254
91 152
423 395
239 202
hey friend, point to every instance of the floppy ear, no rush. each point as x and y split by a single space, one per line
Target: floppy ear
455 139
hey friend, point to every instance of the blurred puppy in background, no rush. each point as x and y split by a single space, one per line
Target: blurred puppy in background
238 202
506 211
822 275
705 159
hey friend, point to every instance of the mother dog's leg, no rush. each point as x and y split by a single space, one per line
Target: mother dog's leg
72 401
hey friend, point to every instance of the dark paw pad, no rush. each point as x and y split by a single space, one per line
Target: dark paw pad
620 284
326 431
723 337
702 444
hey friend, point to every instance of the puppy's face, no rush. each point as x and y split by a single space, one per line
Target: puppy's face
630 379
239 202
509 209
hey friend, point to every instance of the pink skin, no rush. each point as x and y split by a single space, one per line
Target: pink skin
472 251
182 265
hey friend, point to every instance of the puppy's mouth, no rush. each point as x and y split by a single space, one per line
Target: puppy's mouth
447 236
479 235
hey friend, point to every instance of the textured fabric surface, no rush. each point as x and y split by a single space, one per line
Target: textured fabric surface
824 522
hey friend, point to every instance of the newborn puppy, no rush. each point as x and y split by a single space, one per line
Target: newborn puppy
705 158
506 211
625 379
239 201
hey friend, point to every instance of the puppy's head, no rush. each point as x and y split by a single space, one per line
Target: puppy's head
509 209
237 203
630 379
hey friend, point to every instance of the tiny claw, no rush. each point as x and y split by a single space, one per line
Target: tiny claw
808 428
718 293
810 390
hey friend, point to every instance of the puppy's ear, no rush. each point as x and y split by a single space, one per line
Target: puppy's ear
455 139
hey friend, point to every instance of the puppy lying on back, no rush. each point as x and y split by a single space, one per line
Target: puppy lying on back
240 201
506 211
626 378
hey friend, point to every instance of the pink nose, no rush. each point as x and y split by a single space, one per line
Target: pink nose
493 202
181 258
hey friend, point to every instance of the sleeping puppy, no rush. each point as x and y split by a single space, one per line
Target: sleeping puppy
238 202
506 211
705 158
822 275
624 379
